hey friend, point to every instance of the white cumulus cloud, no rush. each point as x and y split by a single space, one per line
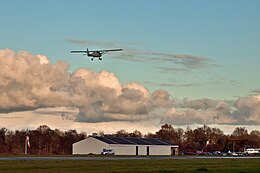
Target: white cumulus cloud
31 82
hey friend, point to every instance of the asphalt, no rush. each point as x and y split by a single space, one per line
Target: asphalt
124 157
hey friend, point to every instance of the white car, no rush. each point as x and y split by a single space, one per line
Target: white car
252 151
108 152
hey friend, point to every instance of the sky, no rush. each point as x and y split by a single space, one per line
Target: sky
186 63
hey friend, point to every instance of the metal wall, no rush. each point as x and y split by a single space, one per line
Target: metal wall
142 149
121 149
95 146
89 146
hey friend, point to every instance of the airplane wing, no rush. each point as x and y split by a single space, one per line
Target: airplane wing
91 51
109 50
78 51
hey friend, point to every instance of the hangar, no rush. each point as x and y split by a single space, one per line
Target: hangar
124 146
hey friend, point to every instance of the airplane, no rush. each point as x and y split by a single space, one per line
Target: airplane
94 53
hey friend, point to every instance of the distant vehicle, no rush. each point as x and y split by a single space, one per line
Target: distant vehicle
217 153
233 154
181 153
94 53
198 152
108 152
190 153
252 151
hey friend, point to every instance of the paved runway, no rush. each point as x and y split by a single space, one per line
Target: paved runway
125 157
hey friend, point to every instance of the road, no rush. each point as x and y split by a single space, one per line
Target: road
123 157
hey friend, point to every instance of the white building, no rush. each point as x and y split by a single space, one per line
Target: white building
124 146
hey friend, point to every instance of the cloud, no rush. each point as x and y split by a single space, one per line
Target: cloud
257 90
181 62
199 104
43 59
188 61
245 110
176 84
173 69
189 116
51 117
29 82
94 43
90 43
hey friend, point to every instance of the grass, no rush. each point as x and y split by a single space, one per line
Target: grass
160 166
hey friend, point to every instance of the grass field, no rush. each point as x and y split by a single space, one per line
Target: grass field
170 165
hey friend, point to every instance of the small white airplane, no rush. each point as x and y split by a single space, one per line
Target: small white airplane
94 53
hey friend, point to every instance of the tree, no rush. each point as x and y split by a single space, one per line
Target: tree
215 135
44 140
168 133
179 138
136 134
68 139
3 130
188 135
240 132
150 135
255 133
200 136
122 133
254 139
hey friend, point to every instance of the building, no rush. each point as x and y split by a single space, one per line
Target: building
124 146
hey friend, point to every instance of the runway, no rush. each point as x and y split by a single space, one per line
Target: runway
123 157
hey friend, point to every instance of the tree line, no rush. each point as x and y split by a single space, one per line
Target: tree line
42 141
45 141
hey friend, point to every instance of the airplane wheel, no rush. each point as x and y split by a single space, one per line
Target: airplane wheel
100 59
92 59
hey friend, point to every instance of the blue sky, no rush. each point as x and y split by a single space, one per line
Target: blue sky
224 32
192 49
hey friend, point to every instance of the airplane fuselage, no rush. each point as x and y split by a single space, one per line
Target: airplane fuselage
95 54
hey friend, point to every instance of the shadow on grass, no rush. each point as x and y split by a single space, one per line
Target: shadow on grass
202 169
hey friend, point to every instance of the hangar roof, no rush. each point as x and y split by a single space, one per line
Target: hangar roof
132 140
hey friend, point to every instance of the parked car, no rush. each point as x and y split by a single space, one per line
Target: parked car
198 152
252 151
190 153
181 153
108 152
217 153
234 154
